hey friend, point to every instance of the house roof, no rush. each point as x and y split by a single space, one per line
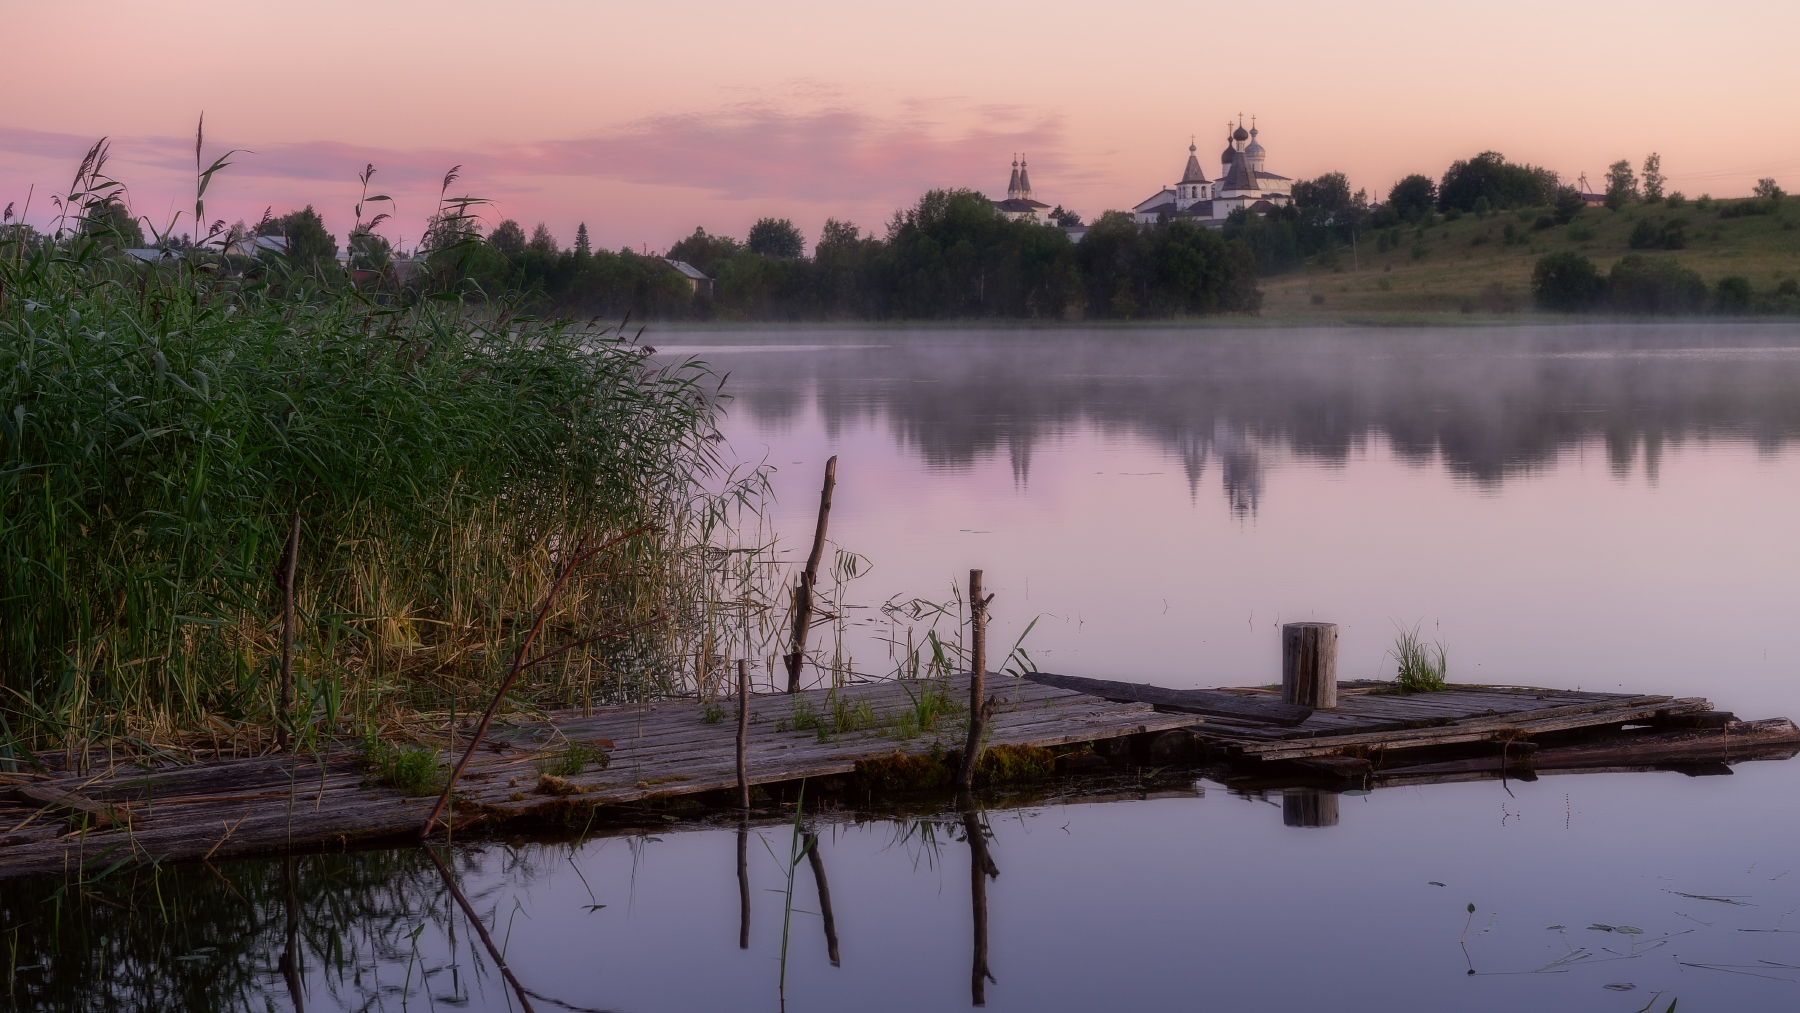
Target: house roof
1239 177
1156 198
1198 209
687 270
1268 175
1019 205
1167 209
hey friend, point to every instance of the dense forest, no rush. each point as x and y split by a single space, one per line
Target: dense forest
947 257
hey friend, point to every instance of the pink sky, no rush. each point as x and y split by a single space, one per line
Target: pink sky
647 120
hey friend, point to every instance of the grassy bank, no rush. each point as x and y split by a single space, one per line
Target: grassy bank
161 428
1469 266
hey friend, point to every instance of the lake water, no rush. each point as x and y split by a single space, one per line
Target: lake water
1593 507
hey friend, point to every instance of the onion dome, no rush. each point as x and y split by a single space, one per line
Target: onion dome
1254 150
1240 134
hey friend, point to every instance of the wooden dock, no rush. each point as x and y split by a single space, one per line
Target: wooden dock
653 751
1375 729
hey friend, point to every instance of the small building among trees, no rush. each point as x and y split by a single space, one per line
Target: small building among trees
1244 182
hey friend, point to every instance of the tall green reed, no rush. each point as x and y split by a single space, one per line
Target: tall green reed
159 424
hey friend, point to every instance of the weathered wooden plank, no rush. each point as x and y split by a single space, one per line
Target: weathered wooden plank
1649 747
1479 731
1186 701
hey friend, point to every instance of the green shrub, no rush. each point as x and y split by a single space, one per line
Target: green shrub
1566 282
1482 207
1452 214
1543 222
411 769
1645 236
1747 208
1676 199
1419 250
1640 284
1733 294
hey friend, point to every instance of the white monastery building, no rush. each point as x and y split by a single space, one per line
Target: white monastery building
1244 182
1018 204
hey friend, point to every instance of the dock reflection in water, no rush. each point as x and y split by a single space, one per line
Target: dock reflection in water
1185 891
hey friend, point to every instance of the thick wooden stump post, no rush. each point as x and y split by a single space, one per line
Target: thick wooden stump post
1308 807
1309 664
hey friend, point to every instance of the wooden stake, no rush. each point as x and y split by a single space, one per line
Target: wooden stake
743 732
289 561
980 707
981 869
818 870
809 578
743 843
1309 664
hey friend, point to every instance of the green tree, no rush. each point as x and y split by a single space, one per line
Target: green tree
1621 185
1483 207
836 237
1327 192
776 237
1412 197
542 241
1505 184
1566 282
508 237
705 252
308 243
1766 187
1066 219
1733 294
1653 178
1569 203
109 223
583 247
1640 284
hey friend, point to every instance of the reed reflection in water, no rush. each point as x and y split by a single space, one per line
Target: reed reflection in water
1160 897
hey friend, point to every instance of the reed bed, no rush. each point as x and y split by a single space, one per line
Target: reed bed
160 426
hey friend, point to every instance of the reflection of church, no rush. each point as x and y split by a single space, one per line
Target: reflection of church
1244 182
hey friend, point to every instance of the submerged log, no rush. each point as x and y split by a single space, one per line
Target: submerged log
1181 701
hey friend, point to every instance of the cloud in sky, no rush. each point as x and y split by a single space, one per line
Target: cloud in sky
834 160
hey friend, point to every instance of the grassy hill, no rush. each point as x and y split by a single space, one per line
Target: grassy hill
1468 266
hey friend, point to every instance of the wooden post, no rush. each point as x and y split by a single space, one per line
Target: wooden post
1308 807
289 560
743 731
980 708
803 593
1309 664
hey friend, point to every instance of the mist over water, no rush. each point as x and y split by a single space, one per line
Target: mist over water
1589 506
1595 507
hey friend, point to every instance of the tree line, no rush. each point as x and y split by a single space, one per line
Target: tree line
949 256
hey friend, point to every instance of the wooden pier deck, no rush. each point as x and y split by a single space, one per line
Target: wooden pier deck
654 751
1376 729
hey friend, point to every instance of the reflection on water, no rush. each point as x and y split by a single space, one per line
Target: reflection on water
1235 899
1567 507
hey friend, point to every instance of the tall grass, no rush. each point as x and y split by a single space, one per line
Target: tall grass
160 425
1415 668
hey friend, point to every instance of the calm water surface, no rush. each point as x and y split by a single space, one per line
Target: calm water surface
1595 508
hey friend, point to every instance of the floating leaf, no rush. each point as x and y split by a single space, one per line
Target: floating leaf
1553 928
1471 908
1630 930
1353 791
1601 927
1619 986
1433 882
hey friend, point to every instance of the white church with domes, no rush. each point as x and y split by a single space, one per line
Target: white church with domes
1244 182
